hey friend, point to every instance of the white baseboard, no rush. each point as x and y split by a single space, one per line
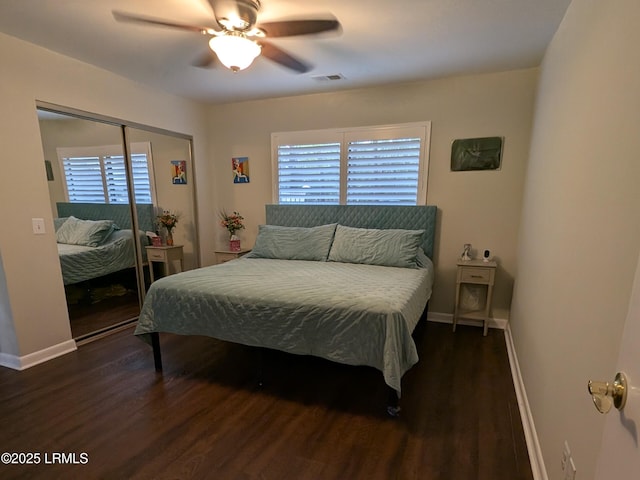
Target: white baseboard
533 445
500 323
21 363
10 361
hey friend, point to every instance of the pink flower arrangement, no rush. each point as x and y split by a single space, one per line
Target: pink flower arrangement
168 220
232 222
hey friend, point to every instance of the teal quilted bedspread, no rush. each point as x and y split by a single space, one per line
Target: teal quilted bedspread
348 313
80 263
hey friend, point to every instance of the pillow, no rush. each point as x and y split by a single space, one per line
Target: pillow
89 233
391 248
422 260
57 222
293 243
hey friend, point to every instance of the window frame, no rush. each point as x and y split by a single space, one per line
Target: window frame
101 152
344 136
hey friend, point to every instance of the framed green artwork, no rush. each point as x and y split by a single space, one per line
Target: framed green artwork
476 154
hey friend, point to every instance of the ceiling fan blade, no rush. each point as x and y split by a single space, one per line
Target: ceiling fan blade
290 28
207 59
127 17
278 55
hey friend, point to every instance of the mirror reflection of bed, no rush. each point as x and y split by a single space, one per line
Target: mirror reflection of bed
98 262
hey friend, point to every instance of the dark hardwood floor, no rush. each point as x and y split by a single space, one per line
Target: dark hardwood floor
205 416
87 319
102 303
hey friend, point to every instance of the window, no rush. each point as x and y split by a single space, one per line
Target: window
309 173
98 174
384 165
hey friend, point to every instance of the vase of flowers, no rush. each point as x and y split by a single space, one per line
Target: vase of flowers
168 220
233 223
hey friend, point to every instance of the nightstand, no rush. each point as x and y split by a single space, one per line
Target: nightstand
226 255
166 254
475 272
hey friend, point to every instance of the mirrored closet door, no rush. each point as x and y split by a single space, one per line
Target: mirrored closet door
96 171
173 194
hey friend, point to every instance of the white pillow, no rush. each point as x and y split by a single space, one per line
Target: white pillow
90 233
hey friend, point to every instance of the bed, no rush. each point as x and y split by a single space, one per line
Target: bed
345 283
95 240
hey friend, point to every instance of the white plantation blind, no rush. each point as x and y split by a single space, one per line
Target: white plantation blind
98 174
309 173
383 172
116 179
384 165
84 179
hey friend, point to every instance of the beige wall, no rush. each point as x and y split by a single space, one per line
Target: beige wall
580 225
481 208
31 268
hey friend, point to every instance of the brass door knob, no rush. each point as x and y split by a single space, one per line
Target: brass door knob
605 394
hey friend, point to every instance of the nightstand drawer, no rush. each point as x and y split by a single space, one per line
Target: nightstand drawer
223 256
167 255
476 275
158 255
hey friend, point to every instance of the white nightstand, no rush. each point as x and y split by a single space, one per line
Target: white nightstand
475 272
166 254
226 255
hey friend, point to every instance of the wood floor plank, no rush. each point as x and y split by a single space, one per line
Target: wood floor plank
206 417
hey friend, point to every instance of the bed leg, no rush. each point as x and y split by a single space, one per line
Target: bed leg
157 355
393 403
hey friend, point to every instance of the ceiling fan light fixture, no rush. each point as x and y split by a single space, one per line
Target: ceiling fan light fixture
236 52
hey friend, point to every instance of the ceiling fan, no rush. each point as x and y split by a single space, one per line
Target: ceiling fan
238 39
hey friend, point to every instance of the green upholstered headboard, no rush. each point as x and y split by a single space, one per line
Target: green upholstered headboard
119 213
421 217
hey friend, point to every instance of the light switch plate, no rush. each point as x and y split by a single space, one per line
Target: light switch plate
38 226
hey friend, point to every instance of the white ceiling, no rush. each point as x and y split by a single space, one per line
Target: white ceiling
382 41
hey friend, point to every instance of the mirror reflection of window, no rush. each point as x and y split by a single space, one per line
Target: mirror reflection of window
97 174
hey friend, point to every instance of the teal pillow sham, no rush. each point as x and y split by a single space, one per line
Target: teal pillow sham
57 222
89 233
293 243
387 247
